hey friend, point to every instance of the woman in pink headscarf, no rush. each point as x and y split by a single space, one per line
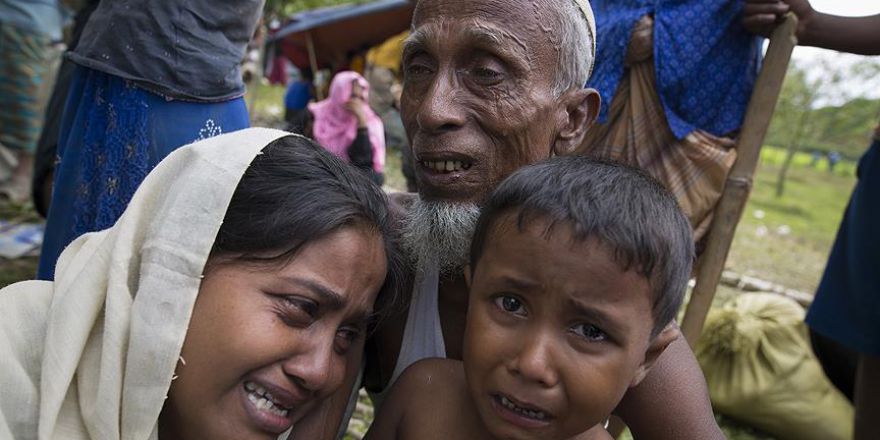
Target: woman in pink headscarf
346 126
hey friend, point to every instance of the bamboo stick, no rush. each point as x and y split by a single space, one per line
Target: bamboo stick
739 183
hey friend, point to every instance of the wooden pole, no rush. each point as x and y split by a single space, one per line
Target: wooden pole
313 60
739 182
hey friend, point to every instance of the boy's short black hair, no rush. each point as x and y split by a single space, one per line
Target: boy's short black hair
622 207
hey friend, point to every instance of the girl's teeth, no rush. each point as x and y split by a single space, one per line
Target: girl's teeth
263 401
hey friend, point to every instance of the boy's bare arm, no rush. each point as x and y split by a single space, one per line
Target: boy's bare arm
672 401
387 421
406 399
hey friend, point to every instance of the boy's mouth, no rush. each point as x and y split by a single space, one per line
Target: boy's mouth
520 413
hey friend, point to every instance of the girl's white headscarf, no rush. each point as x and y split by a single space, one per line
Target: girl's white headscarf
92 355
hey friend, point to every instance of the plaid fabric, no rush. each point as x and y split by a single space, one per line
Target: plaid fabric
22 66
637 133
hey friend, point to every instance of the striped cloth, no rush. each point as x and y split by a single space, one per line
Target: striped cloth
22 66
637 133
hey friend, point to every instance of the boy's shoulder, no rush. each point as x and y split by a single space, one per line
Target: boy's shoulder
433 374
435 394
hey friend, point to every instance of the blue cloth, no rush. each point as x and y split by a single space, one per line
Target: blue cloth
847 304
112 134
298 95
705 61
44 17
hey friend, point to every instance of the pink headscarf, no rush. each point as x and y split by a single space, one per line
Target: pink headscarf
335 127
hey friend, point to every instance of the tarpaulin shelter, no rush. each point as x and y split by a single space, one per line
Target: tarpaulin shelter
388 54
326 37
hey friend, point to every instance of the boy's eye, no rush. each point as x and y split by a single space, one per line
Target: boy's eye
510 304
589 332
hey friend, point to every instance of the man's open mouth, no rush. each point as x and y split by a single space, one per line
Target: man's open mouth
446 166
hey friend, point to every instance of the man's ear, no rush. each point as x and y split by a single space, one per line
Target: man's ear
578 110
655 349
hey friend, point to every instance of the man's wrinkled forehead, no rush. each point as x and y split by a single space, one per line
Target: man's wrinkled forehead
483 35
510 25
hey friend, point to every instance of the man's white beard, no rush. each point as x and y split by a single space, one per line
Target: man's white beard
441 231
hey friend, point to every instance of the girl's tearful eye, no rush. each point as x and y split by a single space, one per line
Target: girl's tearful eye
345 337
296 311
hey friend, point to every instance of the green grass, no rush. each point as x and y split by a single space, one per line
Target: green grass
25 268
810 210
268 104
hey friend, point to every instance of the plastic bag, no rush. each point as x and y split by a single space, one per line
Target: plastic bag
756 356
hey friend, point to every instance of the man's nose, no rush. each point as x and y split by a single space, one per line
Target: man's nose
314 365
441 108
534 362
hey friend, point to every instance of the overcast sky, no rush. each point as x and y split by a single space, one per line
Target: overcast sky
852 8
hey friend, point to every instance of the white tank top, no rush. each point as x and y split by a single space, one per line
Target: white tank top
422 335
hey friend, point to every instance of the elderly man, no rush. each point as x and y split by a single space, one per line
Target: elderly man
491 86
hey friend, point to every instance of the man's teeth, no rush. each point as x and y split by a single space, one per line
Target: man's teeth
537 415
263 400
446 165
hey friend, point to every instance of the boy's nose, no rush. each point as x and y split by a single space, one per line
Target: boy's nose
535 361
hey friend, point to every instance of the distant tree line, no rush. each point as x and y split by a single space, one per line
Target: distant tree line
845 128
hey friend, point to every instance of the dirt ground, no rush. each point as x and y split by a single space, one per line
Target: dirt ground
21 268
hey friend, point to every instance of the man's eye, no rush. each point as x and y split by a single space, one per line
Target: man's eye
486 73
589 332
510 304
416 69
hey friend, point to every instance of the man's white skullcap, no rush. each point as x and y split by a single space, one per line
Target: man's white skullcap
585 7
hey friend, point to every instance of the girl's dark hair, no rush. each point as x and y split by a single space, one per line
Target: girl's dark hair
623 207
296 192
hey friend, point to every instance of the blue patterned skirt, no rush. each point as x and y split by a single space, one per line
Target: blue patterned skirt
112 134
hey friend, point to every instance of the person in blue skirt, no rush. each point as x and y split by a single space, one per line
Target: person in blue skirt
151 76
